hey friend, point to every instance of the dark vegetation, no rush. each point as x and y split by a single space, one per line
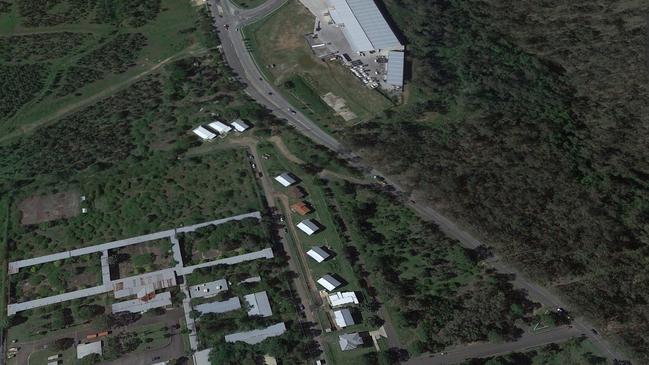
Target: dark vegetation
527 120
437 292
40 47
226 239
116 55
5 6
131 12
20 83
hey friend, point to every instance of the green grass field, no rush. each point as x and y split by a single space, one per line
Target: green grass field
278 39
168 37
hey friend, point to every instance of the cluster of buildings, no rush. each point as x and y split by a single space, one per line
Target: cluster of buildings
216 128
339 302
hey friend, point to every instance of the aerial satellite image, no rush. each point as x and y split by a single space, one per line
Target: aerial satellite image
324 182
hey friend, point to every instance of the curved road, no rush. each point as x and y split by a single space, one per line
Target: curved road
240 60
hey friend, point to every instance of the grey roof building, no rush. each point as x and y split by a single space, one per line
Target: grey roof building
219 307
259 304
257 336
363 25
396 64
350 341
207 290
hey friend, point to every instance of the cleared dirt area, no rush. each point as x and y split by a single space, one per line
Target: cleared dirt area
339 105
44 208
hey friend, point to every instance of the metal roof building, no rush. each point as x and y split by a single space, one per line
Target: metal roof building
342 298
259 304
139 306
203 133
329 282
219 127
285 179
219 307
256 336
318 254
396 64
308 226
207 290
239 125
160 279
343 318
350 341
363 25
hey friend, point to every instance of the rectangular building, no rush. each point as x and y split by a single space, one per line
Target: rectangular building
343 318
396 64
309 226
219 307
363 25
343 298
259 304
219 127
257 336
329 282
285 179
203 133
239 125
207 290
318 254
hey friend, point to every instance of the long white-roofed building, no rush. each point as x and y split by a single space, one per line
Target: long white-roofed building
219 127
343 298
363 25
286 179
396 64
203 133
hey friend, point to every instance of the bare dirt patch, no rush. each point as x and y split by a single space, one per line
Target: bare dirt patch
44 208
339 105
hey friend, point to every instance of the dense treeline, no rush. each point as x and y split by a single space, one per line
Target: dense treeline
20 83
131 12
522 126
117 54
439 293
40 46
41 13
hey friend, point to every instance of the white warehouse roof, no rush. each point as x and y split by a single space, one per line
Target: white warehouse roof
343 318
285 179
396 64
239 125
329 282
318 254
203 133
207 290
365 28
308 226
342 298
259 304
219 127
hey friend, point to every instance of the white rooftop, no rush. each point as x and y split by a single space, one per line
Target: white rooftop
396 64
343 298
285 179
308 226
259 304
329 282
219 127
257 336
363 25
318 254
239 125
219 307
203 133
343 318
207 290
86 349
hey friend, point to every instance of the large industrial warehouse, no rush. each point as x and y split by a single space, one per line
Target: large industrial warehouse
363 25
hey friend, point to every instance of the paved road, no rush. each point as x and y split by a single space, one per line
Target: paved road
528 341
263 92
